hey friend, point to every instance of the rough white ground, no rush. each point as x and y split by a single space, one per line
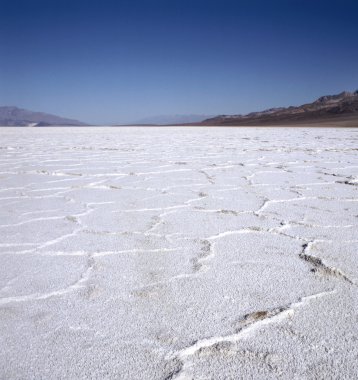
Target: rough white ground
181 253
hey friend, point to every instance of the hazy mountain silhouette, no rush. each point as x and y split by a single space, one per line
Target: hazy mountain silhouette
13 116
171 119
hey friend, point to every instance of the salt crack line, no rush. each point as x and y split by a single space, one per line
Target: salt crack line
250 323
79 284
208 250
209 246
108 253
39 212
151 209
207 176
232 232
32 221
311 225
272 316
158 220
164 171
320 266
10 245
268 201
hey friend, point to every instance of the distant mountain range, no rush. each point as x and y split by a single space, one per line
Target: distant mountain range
171 119
13 116
343 106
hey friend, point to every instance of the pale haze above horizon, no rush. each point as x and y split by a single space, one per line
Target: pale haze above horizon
123 61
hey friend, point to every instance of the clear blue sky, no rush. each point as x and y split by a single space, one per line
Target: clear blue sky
117 61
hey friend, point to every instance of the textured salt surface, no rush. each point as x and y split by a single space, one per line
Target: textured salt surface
177 253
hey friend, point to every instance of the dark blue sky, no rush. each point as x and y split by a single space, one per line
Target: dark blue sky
117 61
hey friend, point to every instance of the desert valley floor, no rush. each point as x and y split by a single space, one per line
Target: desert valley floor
178 253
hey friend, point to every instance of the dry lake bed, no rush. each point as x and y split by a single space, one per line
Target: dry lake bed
178 253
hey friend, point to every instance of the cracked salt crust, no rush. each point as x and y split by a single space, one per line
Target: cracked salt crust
178 253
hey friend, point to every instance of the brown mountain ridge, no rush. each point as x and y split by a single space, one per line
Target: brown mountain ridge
341 107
